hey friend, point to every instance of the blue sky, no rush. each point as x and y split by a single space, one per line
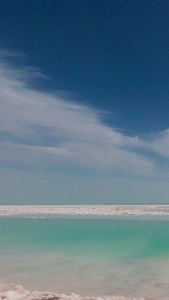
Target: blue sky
84 101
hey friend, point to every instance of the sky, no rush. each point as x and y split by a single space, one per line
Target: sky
84 102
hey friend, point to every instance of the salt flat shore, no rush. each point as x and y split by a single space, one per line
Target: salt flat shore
17 292
84 210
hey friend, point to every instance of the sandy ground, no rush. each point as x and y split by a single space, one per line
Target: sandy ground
95 210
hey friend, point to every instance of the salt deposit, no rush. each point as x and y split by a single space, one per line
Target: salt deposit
17 292
84 210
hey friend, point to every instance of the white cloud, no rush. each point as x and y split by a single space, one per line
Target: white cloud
160 143
41 129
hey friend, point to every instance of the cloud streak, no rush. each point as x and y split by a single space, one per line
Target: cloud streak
40 129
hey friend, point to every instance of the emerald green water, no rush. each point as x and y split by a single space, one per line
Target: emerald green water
116 255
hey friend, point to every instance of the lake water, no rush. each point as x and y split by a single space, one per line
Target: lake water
91 257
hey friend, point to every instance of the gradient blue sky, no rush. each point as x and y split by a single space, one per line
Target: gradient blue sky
84 95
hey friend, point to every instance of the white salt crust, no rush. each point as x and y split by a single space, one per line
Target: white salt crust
17 292
84 210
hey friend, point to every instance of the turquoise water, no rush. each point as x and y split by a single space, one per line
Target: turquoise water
87 256
93 239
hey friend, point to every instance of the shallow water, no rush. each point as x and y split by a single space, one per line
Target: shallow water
86 256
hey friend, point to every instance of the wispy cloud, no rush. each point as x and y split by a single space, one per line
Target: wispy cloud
160 143
41 129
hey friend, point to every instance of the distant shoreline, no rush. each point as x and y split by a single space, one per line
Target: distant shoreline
85 210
